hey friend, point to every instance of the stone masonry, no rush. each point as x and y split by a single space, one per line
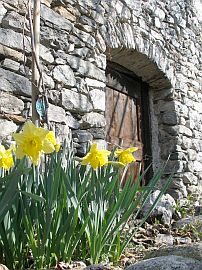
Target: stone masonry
160 41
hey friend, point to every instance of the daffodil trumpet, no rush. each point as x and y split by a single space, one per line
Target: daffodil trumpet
34 141
95 157
126 156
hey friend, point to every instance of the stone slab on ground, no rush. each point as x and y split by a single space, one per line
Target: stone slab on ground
167 263
193 250
195 221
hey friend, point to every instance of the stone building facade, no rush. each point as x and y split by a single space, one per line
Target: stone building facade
159 41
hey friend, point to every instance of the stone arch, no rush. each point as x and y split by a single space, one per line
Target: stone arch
147 60
128 36
160 94
144 55
143 66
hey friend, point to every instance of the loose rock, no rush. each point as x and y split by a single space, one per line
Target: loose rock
167 263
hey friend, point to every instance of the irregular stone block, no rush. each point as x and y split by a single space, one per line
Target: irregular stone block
185 131
170 118
60 61
2 12
95 83
45 54
85 68
178 184
167 263
13 3
189 178
186 142
164 208
197 166
65 13
100 61
18 119
82 136
98 99
47 2
56 114
81 52
14 40
71 121
81 85
48 81
17 84
98 133
62 132
85 37
193 250
6 51
7 128
15 21
195 221
98 17
195 193
76 102
175 166
192 154
164 239
159 13
101 144
93 119
176 194
86 20
100 43
53 17
82 149
10 64
64 74
10 104
172 130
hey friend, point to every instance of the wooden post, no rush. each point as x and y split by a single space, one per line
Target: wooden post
35 57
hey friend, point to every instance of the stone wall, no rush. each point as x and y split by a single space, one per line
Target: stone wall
160 41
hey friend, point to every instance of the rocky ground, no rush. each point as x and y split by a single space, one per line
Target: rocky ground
180 242
155 239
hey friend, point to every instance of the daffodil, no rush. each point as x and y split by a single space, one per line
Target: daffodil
95 157
126 156
6 158
32 142
51 139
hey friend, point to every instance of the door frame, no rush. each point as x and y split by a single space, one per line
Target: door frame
145 120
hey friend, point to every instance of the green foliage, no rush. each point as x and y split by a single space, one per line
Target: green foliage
193 229
186 209
12 238
64 211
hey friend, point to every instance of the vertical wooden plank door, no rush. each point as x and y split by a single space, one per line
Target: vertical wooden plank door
124 115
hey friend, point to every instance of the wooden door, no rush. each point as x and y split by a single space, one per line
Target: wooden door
124 115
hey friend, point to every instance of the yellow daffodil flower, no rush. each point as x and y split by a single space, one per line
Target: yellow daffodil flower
6 158
51 139
95 157
126 156
32 142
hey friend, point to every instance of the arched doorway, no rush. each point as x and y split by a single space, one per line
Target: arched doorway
127 115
